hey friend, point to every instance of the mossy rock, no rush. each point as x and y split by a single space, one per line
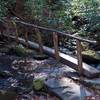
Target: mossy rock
20 50
90 56
38 84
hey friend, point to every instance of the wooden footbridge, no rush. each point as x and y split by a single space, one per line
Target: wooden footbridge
77 64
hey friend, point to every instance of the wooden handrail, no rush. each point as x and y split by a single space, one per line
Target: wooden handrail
56 31
55 40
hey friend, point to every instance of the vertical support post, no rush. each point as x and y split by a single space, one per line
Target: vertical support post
55 40
80 65
26 39
17 41
79 57
39 40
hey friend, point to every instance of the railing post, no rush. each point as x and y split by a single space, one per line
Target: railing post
17 41
79 57
39 40
26 39
16 32
55 40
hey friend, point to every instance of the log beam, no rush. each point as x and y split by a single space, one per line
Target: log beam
67 34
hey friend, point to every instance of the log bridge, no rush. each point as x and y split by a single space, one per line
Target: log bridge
75 63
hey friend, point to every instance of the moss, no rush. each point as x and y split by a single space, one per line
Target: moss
92 54
20 51
38 84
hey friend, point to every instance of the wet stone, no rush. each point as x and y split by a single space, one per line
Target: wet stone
24 65
65 89
98 66
26 70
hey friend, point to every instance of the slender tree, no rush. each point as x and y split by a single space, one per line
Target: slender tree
20 6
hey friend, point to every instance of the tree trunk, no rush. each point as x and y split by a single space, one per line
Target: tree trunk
20 6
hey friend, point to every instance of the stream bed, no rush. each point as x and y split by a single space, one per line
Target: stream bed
18 73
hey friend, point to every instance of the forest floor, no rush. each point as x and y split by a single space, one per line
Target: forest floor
17 75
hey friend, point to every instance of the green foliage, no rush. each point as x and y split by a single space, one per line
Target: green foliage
59 13
49 12
92 54
5 5
34 8
3 9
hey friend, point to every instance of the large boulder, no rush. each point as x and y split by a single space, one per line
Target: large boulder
66 89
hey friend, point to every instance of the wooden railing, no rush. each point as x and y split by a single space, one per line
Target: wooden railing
55 41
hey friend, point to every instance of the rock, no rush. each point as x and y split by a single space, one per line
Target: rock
98 52
2 54
20 50
24 65
38 84
6 60
91 57
98 67
5 74
65 89
95 83
4 50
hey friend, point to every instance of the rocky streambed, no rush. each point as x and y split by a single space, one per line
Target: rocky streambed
24 78
22 84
